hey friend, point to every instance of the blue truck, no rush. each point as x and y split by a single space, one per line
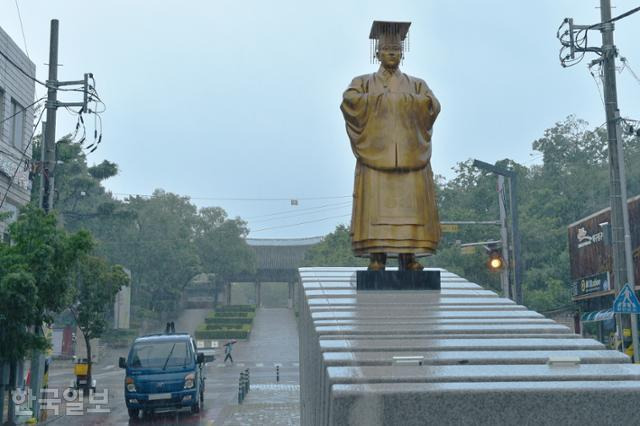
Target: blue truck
164 372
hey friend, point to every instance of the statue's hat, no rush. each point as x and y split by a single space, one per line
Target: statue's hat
380 29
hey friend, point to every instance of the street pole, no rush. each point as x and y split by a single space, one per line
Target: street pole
52 108
504 275
515 238
628 252
623 269
48 166
515 232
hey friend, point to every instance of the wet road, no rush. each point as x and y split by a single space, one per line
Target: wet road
273 342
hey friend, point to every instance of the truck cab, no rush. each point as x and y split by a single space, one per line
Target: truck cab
163 372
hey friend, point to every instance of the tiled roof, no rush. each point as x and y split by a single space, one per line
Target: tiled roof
281 253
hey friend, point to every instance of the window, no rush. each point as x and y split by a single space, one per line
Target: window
16 124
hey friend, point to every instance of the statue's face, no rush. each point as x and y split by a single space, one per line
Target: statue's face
389 54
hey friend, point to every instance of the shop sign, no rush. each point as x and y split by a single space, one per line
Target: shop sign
593 284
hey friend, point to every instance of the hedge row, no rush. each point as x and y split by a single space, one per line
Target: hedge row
222 334
236 308
206 331
216 314
227 320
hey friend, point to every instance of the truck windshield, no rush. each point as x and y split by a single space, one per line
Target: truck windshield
159 354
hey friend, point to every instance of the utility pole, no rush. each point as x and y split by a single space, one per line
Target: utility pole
504 274
47 181
623 268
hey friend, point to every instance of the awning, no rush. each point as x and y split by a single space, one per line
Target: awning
603 315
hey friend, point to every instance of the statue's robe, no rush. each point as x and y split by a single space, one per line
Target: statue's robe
389 118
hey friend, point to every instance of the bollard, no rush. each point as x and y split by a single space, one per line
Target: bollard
240 390
247 383
277 374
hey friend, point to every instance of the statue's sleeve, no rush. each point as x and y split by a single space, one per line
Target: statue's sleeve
428 104
355 107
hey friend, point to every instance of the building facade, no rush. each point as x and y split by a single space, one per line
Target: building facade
17 93
591 265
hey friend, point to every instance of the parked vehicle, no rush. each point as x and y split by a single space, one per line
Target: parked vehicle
164 372
81 382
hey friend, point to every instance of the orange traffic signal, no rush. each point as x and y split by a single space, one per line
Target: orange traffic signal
496 262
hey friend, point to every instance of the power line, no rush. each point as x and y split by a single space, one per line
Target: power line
22 29
22 110
297 210
22 159
125 194
303 214
298 224
624 15
20 69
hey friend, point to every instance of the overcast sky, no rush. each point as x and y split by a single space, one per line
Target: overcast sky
222 100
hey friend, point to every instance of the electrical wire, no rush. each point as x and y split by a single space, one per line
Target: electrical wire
294 216
297 210
20 69
598 82
624 15
125 194
22 29
298 224
625 61
24 152
22 110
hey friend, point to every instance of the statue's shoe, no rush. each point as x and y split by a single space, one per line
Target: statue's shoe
376 266
414 266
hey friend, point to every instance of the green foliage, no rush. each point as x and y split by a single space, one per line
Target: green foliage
222 332
235 314
96 286
163 239
221 245
228 320
35 278
334 250
235 308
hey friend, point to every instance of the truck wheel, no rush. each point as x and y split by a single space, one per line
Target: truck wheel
133 413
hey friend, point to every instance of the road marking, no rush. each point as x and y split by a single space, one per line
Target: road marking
296 364
221 365
240 364
259 365
108 367
108 373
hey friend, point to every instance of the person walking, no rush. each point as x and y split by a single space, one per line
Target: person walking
227 351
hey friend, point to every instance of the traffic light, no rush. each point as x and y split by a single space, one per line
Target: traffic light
495 262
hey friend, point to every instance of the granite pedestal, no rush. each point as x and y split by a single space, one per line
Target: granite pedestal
485 359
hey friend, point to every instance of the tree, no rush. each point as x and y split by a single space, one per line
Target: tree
221 245
160 249
35 271
96 285
334 250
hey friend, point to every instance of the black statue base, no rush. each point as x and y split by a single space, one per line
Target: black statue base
398 280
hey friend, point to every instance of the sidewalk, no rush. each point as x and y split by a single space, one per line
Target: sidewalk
266 405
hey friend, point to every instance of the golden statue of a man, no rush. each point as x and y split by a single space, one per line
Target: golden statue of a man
389 117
